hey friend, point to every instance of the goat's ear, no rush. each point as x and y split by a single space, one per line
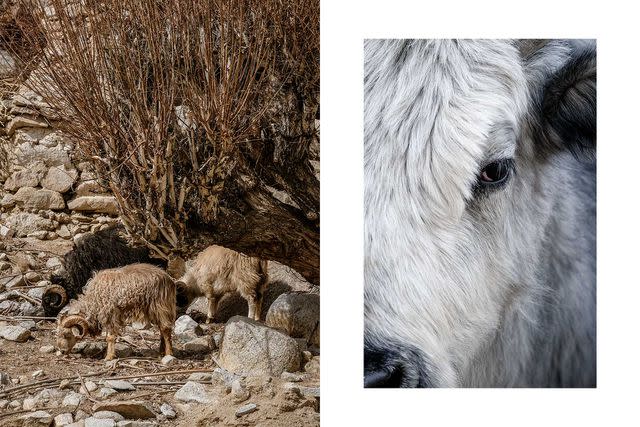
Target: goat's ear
569 103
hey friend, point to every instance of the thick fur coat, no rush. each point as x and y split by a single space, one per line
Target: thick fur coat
467 283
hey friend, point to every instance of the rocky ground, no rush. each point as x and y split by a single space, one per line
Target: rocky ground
232 372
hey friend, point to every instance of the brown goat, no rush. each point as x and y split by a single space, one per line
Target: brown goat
217 271
116 297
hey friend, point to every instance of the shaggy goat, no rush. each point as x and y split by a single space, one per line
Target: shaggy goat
116 297
479 165
218 270
94 252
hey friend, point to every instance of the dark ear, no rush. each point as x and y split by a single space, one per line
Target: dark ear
569 102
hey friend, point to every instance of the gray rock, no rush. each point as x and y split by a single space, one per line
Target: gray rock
169 360
101 415
4 403
298 314
119 385
37 418
14 333
63 419
239 391
47 349
30 403
167 411
185 325
305 391
6 232
90 386
53 262
24 223
200 376
59 179
246 409
73 399
106 391
45 199
36 293
127 409
40 235
100 204
8 201
250 347
28 324
22 178
64 232
224 376
293 377
28 153
193 392
198 345
97 422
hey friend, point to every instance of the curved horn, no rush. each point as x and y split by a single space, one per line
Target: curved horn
55 296
76 320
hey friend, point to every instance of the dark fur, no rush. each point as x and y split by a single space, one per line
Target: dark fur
96 251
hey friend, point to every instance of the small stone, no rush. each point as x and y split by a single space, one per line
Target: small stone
134 423
106 392
167 411
64 232
63 419
90 386
185 325
45 199
4 403
32 276
305 391
40 235
47 349
98 422
15 333
53 262
59 179
30 403
37 418
292 377
127 409
198 345
37 373
246 409
119 385
64 384
239 392
5 266
193 392
169 360
199 376
108 415
73 399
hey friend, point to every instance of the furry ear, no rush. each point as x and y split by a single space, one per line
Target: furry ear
569 102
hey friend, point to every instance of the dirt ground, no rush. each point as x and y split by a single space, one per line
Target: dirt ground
279 402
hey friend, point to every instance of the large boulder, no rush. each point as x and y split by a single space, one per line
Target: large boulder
100 204
297 314
251 348
59 179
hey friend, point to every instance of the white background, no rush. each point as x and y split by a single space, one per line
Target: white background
344 25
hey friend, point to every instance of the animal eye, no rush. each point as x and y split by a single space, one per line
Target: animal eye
495 173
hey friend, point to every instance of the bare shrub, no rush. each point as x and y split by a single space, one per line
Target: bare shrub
198 114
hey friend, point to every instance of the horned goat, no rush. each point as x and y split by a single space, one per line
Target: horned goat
217 271
116 297
94 252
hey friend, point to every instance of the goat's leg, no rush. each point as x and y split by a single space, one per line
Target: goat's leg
111 346
254 309
213 305
165 342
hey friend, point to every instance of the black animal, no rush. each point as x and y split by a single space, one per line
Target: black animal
94 252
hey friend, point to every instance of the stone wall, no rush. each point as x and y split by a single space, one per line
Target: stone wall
45 192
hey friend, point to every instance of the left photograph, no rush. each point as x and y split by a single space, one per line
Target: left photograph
159 213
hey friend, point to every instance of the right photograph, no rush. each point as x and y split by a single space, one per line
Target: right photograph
479 213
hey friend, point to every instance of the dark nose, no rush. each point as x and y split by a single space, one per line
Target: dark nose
383 369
